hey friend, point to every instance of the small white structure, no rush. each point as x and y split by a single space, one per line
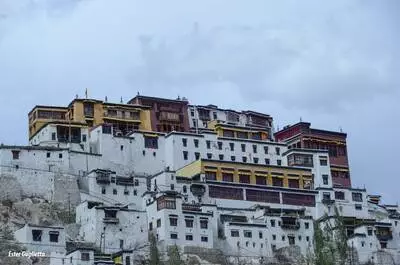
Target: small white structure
112 228
108 187
42 238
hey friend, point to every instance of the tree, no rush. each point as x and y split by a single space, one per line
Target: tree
7 243
174 257
154 253
330 241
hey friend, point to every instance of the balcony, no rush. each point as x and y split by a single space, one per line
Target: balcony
110 220
290 226
385 237
103 179
328 201
127 181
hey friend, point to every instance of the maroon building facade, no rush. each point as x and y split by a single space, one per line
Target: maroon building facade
167 115
301 135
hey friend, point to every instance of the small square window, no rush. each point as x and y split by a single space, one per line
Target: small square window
325 179
220 145
60 155
234 233
221 157
196 143
273 237
358 207
48 154
122 147
197 155
272 223
283 238
85 256
204 239
279 162
37 235
189 237
306 225
232 146
84 138
255 160
184 142
323 161
277 150
233 158
126 192
265 149
247 234
260 234
185 155
244 159
209 155
267 162
307 238
103 190
174 236
115 191
208 144
158 222
254 148
53 136
243 147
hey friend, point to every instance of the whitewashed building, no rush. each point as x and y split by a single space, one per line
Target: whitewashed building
112 228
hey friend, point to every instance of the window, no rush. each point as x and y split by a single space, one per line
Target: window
323 161
272 223
136 182
306 225
277 182
261 180
228 177
265 149
299 238
184 188
37 235
172 186
273 237
277 150
279 162
208 144
15 154
158 222
325 179
83 137
220 145
244 178
234 233
60 155
247 234
189 222
244 159
221 157
370 231
192 113
209 155
53 136
173 221
85 256
48 154
103 190
115 191
255 160
254 148
260 234
267 162
53 236
122 147
358 207
204 224
243 147
232 146
127 260
150 226
233 158
189 237
184 142
283 238
185 155
174 236
196 143
214 115
197 155
210 175
357 196
326 196
362 243
204 239
339 195
307 238
126 192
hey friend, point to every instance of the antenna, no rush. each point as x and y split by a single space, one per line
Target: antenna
122 100
86 93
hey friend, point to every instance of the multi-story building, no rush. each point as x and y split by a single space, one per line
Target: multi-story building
301 135
123 118
112 228
166 114
231 123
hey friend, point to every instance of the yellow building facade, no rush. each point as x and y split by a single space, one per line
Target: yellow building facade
225 130
91 112
237 172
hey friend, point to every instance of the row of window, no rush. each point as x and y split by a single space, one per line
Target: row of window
356 196
189 222
233 158
248 234
231 146
115 191
37 235
15 154
189 237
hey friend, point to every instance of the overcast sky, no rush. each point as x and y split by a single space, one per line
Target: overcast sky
333 63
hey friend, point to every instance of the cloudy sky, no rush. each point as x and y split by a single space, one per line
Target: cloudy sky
334 63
